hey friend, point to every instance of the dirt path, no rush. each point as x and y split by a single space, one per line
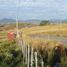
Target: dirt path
51 37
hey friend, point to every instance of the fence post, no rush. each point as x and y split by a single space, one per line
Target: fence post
42 63
36 65
28 55
23 52
31 57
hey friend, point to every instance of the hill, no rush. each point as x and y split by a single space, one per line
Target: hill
7 20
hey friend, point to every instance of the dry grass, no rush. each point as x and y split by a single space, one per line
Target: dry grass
41 30
59 30
49 29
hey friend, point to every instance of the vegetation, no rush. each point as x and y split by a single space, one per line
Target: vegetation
44 23
10 54
57 30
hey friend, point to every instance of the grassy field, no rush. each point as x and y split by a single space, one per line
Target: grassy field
60 29
43 44
56 30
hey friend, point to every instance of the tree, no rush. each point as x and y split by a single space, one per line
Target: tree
46 22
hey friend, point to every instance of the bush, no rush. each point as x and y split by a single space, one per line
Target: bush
44 23
10 54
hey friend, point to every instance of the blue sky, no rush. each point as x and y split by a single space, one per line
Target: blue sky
33 9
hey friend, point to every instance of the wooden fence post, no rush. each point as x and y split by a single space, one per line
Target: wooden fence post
42 63
31 57
36 65
28 55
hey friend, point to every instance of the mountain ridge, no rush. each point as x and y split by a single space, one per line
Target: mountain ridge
8 20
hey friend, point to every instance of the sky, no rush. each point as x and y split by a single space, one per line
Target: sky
33 9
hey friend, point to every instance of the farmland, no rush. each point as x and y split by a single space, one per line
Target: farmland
40 38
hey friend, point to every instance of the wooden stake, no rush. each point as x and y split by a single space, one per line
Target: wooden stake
31 57
17 27
42 63
36 65
28 55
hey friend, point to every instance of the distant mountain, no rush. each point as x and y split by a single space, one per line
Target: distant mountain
6 20
32 21
36 21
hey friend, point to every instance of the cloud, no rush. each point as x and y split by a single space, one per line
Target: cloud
36 8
